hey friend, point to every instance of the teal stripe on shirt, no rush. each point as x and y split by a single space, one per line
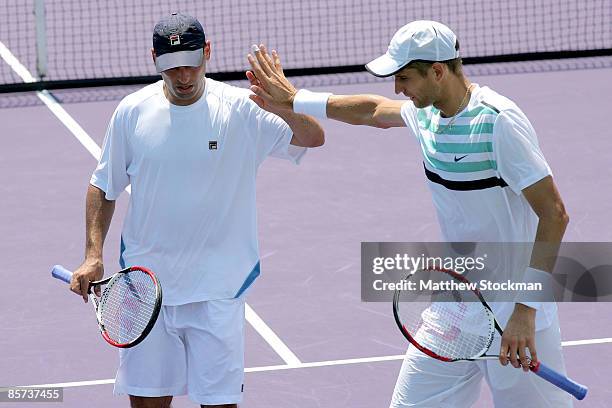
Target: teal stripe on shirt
479 110
425 122
460 129
476 147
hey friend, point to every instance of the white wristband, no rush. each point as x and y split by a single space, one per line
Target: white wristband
536 276
311 103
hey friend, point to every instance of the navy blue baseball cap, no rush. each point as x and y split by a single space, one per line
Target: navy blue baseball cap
178 41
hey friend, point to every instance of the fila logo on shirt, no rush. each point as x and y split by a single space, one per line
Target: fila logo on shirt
212 145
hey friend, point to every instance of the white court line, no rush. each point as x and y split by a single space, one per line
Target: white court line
70 123
273 340
306 365
585 342
325 363
83 137
14 63
51 103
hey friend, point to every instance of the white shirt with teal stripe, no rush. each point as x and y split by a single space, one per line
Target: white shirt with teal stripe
476 170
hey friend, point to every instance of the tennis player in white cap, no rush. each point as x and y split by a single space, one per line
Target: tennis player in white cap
490 183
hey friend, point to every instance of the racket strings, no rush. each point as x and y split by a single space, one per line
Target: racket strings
127 305
453 330
451 324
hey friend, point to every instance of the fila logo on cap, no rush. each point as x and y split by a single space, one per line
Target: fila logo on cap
178 41
175 39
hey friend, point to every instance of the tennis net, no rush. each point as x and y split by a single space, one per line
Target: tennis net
75 43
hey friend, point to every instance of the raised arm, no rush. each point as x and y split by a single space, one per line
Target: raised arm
370 110
273 90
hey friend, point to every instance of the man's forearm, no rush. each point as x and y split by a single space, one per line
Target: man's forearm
551 228
546 202
306 130
548 239
98 215
543 257
354 109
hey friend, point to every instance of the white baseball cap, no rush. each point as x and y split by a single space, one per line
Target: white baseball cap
419 40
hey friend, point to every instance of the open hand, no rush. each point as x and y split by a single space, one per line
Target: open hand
272 91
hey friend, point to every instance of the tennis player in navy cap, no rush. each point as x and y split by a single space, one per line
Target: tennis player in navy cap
489 181
190 148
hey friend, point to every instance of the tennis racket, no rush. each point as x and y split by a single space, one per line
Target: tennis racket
129 304
454 325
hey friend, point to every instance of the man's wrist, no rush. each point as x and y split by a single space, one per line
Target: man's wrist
93 260
311 103
545 281
527 307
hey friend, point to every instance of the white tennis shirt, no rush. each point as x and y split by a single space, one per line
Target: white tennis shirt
192 213
476 171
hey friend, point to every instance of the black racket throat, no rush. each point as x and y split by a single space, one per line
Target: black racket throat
105 281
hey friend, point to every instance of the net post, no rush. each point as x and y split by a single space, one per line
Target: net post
41 38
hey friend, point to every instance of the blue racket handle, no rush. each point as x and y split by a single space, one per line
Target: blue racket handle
61 273
577 390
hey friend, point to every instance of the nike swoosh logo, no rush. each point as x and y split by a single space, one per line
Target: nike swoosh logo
460 158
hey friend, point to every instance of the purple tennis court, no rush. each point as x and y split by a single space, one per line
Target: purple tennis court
311 341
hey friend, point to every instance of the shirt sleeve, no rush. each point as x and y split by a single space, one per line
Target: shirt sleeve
273 136
520 161
111 174
409 114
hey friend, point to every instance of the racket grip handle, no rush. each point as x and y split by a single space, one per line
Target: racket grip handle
61 273
577 390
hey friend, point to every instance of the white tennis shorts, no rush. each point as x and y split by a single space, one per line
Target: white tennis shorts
425 382
195 349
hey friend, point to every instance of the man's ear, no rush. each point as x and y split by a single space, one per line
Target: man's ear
207 50
438 69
